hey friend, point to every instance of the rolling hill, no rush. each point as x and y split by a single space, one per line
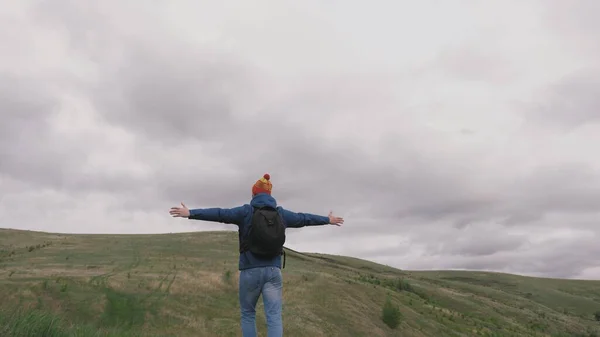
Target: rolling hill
185 284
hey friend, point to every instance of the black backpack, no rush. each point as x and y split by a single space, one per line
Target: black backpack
266 235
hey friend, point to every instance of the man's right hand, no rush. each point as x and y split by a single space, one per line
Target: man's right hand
334 220
181 212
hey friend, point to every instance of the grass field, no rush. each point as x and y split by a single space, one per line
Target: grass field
185 284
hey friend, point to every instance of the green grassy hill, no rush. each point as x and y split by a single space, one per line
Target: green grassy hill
185 284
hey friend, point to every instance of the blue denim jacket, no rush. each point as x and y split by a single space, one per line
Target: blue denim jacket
242 216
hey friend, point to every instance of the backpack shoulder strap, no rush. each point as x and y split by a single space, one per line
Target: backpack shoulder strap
243 246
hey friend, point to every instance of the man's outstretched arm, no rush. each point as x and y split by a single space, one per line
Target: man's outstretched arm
225 215
297 220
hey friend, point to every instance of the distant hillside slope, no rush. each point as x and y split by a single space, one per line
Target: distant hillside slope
185 284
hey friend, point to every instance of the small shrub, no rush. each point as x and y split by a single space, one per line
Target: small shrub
403 285
227 276
391 314
122 310
597 315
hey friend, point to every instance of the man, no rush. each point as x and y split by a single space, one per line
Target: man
258 274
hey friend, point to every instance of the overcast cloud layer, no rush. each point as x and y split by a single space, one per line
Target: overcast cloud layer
456 135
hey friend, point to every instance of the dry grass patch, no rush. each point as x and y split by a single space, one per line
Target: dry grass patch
194 322
196 281
98 304
58 270
118 281
452 292
28 294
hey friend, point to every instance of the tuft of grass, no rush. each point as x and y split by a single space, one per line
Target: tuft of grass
122 310
227 276
21 322
27 322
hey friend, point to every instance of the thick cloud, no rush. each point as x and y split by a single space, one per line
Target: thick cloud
573 101
440 148
26 107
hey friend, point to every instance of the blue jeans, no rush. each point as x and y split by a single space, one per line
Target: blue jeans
254 282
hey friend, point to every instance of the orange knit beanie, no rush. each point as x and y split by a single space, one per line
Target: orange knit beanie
262 185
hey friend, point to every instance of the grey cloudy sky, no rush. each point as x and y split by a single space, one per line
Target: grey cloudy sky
458 134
